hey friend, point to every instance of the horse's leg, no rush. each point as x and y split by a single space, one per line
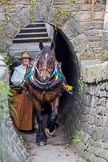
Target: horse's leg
50 131
41 138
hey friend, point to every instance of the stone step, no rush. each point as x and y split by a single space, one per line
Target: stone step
60 3
33 29
33 34
36 24
28 40
33 48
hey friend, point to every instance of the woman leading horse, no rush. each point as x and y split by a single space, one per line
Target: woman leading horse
46 83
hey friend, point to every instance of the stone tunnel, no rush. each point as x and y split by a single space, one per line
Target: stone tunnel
79 47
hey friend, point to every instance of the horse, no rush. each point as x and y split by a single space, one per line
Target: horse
45 86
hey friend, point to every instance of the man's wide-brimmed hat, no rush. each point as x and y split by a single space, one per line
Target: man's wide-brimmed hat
25 55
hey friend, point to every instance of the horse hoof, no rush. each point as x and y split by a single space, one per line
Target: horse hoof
41 139
41 143
48 133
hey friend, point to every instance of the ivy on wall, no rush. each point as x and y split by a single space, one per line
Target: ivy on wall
33 8
61 16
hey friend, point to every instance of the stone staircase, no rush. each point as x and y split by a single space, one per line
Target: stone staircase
89 17
28 39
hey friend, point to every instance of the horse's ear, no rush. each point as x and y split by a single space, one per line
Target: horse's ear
52 45
41 45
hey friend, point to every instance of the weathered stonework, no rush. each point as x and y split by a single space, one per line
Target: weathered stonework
86 112
88 118
80 25
11 147
95 73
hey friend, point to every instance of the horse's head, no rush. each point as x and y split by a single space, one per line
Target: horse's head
46 62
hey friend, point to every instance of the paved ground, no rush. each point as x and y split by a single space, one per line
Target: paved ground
56 150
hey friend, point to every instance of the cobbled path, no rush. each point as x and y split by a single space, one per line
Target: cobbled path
56 150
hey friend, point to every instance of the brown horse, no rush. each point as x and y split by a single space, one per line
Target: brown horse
46 82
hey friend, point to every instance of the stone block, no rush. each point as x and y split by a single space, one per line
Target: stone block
84 16
100 121
80 148
103 94
74 28
11 30
85 137
2 14
91 120
93 101
98 134
91 129
23 17
100 110
95 73
106 106
101 153
94 38
102 101
92 25
95 44
103 86
98 159
99 15
103 145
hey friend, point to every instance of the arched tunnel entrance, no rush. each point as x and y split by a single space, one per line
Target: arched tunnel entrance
70 66
64 53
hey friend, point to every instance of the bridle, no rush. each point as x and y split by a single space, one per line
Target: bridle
39 71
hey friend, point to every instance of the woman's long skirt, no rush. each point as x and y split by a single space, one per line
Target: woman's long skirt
22 113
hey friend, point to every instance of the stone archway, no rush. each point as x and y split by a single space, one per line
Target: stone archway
87 112
63 45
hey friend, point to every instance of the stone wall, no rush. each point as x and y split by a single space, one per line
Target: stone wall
87 122
105 32
83 26
86 112
11 146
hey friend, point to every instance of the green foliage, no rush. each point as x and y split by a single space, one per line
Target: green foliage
33 7
3 1
3 25
91 150
33 1
77 139
21 137
88 160
5 96
8 61
80 85
106 113
73 1
3 88
61 16
104 58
